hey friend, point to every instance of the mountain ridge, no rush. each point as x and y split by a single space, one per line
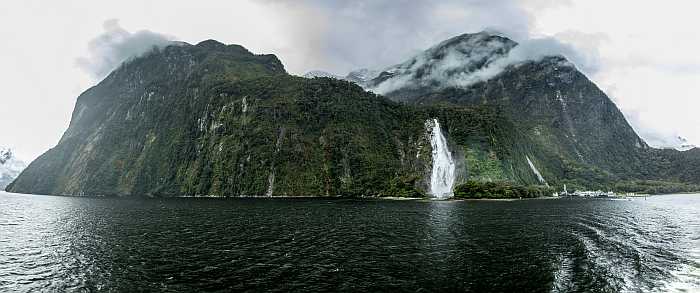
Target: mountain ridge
572 122
216 119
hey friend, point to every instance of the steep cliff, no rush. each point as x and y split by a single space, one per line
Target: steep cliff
571 131
213 119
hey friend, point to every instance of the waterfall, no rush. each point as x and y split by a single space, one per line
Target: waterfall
442 177
270 183
537 172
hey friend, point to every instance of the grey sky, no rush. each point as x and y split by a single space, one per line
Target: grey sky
108 50
51 51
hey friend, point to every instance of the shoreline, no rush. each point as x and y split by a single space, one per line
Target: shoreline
506 199
391 198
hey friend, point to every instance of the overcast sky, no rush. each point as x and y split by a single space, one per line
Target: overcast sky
644 54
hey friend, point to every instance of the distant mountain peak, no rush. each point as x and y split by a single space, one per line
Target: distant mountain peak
211 44
460 55
215 119
474 40
216 46
456 62
320 73
10 167
5 155
209 58
360 77
682 144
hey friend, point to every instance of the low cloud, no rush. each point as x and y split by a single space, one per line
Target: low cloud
348 35
341 36
480 58
532 50
116 45
653 137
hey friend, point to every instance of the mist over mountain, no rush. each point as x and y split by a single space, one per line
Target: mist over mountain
216 119
683 144
360 77
116 45
676 142
319 73
10 167
572 124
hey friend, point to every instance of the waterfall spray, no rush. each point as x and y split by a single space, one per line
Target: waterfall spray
442 177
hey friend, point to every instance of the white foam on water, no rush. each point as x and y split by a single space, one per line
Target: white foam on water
687 277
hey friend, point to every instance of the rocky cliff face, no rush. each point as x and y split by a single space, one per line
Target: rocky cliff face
566 125
456 62
215 119
218 120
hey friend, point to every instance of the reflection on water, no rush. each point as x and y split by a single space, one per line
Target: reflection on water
594 245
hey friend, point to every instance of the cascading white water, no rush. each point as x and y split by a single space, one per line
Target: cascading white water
443 176
537 172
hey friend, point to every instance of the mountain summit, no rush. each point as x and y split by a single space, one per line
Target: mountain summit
573 130
456 62
216 119
10 167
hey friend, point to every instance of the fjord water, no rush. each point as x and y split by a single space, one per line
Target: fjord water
59 244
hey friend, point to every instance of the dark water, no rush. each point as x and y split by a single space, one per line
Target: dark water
59 244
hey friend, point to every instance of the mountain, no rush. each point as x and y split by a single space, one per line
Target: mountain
569 128
320 73
456 62
360 77
10 167
680 143
215 119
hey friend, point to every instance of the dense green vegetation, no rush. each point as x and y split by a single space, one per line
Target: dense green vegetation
213 119
179 122
655 187
564 123
494 190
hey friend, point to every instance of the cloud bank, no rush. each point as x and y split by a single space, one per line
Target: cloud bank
532 50
346 35
468 59
116 45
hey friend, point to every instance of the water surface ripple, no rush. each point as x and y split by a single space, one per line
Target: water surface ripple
60 244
